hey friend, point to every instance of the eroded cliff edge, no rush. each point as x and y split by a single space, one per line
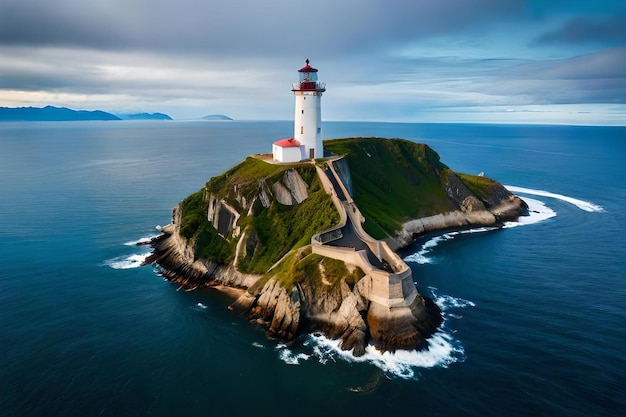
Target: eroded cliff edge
251 228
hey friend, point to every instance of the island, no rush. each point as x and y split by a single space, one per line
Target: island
144 116
309 247
51 113
216 117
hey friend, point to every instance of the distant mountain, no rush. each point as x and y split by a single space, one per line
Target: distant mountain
51 113
216 117
145 116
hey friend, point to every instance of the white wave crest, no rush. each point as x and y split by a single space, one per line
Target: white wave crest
446 302
141 241
127 261
289 357
420 256
537 212
581 204
146 239
442 351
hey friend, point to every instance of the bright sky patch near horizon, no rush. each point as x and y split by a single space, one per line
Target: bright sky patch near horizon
484 61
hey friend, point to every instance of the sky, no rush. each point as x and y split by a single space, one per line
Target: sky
483 61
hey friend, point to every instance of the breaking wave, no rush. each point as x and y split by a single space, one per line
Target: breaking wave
581 204
127 261
537 212
134 260
421 257
443 350
141 241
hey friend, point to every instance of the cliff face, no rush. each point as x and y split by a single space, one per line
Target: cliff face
251 228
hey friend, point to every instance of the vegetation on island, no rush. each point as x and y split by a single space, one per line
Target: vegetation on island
483 187
260 217
277 228
303 265
196 229
393 181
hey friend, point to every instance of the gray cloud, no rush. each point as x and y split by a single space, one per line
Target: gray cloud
239 27
380 58
606 30
592 78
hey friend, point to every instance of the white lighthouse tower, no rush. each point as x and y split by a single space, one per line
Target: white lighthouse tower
307 125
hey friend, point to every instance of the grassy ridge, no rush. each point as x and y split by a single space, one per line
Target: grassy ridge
481 186
196 228
282 228
316 270
278 228
393 180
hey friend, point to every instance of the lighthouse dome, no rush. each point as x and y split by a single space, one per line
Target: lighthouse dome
307 73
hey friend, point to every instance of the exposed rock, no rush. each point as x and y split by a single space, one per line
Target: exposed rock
472 204
252 242
403 327
222 216
342 169
275 306
290 189
282 194
286 315
456 190
509 209
296 185
177 264
264 197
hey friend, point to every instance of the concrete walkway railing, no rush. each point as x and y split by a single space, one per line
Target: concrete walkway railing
391 289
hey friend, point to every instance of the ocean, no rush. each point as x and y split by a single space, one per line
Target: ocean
534 313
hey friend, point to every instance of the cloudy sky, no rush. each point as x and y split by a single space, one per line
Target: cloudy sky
534 61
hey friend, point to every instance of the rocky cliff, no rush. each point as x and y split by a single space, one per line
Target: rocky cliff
251 228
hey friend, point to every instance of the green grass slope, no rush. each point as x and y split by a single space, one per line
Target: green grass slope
277 229
393 180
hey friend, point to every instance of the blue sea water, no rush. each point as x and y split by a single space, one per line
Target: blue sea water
534 314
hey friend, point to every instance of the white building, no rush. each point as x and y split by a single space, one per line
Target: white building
307 126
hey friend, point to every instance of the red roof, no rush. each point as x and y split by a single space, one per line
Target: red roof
307 68
287 143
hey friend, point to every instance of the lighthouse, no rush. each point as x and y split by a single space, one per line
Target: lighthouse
307 125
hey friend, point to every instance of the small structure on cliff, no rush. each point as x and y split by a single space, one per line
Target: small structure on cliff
307 125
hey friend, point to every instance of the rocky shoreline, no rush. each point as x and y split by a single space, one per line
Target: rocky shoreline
344 283
340 312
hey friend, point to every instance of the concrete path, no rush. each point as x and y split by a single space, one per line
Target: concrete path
350 238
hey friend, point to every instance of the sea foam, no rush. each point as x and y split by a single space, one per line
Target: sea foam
146 239
442 351
421 257
141 241
537 212
134 260
581 204
127 261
